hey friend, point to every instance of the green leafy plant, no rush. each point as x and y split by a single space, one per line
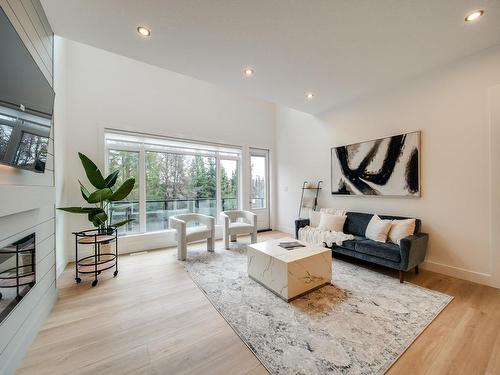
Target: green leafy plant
102 197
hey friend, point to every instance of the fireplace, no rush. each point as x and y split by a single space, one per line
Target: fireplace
17 273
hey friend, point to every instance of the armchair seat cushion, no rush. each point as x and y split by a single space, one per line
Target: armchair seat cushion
388 251
240 228
198 233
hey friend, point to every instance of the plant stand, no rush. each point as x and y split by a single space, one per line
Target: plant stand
100 261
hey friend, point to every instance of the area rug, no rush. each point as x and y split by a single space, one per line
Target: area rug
359 325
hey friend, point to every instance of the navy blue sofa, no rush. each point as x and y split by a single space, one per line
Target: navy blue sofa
404 257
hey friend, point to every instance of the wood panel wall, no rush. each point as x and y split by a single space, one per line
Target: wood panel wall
27 202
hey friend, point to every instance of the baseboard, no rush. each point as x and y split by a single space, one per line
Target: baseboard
60 269
461 273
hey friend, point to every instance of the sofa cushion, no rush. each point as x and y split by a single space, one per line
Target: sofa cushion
418 223
334 223
356 223
378 229
350 244
314 217
401 229
388 251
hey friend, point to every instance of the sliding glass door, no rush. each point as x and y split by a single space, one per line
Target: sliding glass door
259 187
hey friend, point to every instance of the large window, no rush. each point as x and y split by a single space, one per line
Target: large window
178 183
229 177
173 177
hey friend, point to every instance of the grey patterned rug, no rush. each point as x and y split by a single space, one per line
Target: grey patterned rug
360 325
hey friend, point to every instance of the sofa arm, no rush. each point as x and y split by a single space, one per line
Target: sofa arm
300 223
413 250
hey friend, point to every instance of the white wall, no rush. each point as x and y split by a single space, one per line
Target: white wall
106 90
451 107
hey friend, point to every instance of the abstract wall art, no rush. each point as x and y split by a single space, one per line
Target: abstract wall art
383 167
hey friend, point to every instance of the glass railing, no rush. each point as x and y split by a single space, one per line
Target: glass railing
159 211
258 202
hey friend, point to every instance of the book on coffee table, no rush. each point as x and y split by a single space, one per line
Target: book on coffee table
290 245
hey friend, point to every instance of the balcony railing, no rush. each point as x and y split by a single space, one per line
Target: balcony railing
159 211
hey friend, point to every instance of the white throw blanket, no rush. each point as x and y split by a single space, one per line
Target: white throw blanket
317 236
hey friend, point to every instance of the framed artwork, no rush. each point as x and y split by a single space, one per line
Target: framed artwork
382 167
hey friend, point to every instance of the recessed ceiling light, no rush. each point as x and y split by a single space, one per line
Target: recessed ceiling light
309 96
144 31
472 16
248 72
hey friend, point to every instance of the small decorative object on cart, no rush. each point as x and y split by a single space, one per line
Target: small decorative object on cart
105 232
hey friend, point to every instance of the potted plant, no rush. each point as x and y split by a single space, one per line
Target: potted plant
102 197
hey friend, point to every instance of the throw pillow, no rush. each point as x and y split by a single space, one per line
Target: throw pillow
334 211
378 229
401 229
314 218
333 223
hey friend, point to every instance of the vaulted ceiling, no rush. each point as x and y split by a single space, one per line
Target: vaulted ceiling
338 49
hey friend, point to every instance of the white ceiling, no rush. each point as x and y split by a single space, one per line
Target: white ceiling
338 49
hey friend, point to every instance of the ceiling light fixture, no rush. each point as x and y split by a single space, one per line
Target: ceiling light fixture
309 96
472 16
144 31
249 72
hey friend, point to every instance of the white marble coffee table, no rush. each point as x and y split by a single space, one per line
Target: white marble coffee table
289 273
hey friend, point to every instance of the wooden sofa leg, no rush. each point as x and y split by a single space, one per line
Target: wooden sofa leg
401 277
416 270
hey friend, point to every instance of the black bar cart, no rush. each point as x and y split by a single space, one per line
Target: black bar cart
24 271
101 259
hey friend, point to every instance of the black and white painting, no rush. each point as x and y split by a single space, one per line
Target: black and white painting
387 166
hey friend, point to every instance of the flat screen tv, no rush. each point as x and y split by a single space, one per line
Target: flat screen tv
26 104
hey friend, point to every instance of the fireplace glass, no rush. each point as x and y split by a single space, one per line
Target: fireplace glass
17 273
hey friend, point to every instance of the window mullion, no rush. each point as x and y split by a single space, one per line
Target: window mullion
218 190
142 190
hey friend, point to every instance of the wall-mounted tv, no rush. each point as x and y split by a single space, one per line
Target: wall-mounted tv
24 140
26 103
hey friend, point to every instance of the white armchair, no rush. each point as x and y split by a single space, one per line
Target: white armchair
185 235
238 223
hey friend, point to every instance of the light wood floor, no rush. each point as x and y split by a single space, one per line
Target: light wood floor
152 319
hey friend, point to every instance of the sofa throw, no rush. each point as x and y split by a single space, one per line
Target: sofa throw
318 237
